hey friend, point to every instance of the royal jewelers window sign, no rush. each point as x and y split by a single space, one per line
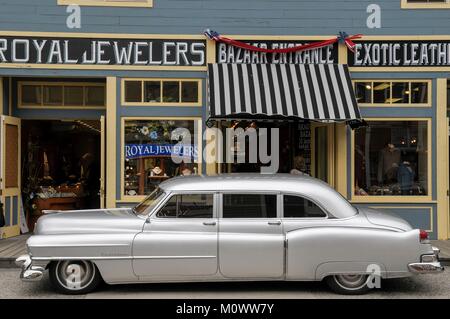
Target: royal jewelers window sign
102 51
400 54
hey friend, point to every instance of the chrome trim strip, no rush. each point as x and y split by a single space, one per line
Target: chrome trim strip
120 257
172 257
80 245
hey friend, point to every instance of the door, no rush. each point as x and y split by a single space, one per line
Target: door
251 239
10 175
179 240
102 162
322 154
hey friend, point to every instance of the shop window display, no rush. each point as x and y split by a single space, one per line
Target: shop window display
156 150
391 159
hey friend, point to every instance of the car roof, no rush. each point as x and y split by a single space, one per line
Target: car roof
242 181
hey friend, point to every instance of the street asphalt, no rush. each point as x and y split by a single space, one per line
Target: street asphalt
424 286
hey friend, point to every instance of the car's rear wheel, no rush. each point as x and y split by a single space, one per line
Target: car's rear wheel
74 276
348 284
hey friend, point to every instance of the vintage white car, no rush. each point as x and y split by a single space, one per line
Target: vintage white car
245 227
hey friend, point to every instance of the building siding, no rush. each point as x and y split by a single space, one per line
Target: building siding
269 17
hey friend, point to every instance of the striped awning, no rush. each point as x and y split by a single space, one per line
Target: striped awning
320 92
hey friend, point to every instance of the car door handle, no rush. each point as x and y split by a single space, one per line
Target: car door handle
209 223
277 223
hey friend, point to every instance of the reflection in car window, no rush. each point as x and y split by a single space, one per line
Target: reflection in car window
299 207
188 206
249 206
146 206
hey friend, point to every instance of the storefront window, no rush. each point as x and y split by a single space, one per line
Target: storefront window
152 91
160 92
363 92
133 91
391 158
53 95
73 95
156 150
171 92
57 95
392 92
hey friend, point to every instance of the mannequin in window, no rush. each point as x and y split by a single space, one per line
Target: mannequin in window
388 161
299 166
405 177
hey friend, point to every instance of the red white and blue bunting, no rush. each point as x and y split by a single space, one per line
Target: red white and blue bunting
342 37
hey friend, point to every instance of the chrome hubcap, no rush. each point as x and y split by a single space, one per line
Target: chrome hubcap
351 282
75 274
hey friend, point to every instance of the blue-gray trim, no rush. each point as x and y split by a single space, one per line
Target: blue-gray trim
7 209
15 210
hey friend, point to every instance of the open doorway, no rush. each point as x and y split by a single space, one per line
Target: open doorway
61 163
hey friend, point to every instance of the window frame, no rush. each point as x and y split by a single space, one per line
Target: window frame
176 193
328 215
245 192
425 5
373 104
42 84
99 3
138 198
199 102
394 198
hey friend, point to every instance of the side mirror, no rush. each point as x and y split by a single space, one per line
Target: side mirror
148 220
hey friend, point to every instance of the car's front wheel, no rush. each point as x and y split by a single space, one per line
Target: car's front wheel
74 276
348 284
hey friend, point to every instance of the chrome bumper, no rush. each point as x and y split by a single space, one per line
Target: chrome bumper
429 266
29 272
425 268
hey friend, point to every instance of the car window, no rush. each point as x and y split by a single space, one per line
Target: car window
300 207
249 206
188 206
149 203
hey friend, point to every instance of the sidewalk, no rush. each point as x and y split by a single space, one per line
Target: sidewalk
12 248
444 246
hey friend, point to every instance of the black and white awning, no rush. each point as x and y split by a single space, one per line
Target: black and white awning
320 92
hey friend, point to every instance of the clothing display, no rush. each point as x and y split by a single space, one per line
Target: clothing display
388 162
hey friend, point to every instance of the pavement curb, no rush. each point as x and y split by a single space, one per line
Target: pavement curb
7 262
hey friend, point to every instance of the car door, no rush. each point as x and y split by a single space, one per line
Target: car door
251 240
180 239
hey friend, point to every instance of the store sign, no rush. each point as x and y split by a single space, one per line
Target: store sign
102 51
400 54
231 54
133 151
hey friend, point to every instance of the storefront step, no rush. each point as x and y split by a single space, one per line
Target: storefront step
12 248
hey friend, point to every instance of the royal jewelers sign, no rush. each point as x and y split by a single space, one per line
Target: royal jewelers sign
400 54
102 51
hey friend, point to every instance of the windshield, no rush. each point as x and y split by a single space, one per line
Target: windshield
147 205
